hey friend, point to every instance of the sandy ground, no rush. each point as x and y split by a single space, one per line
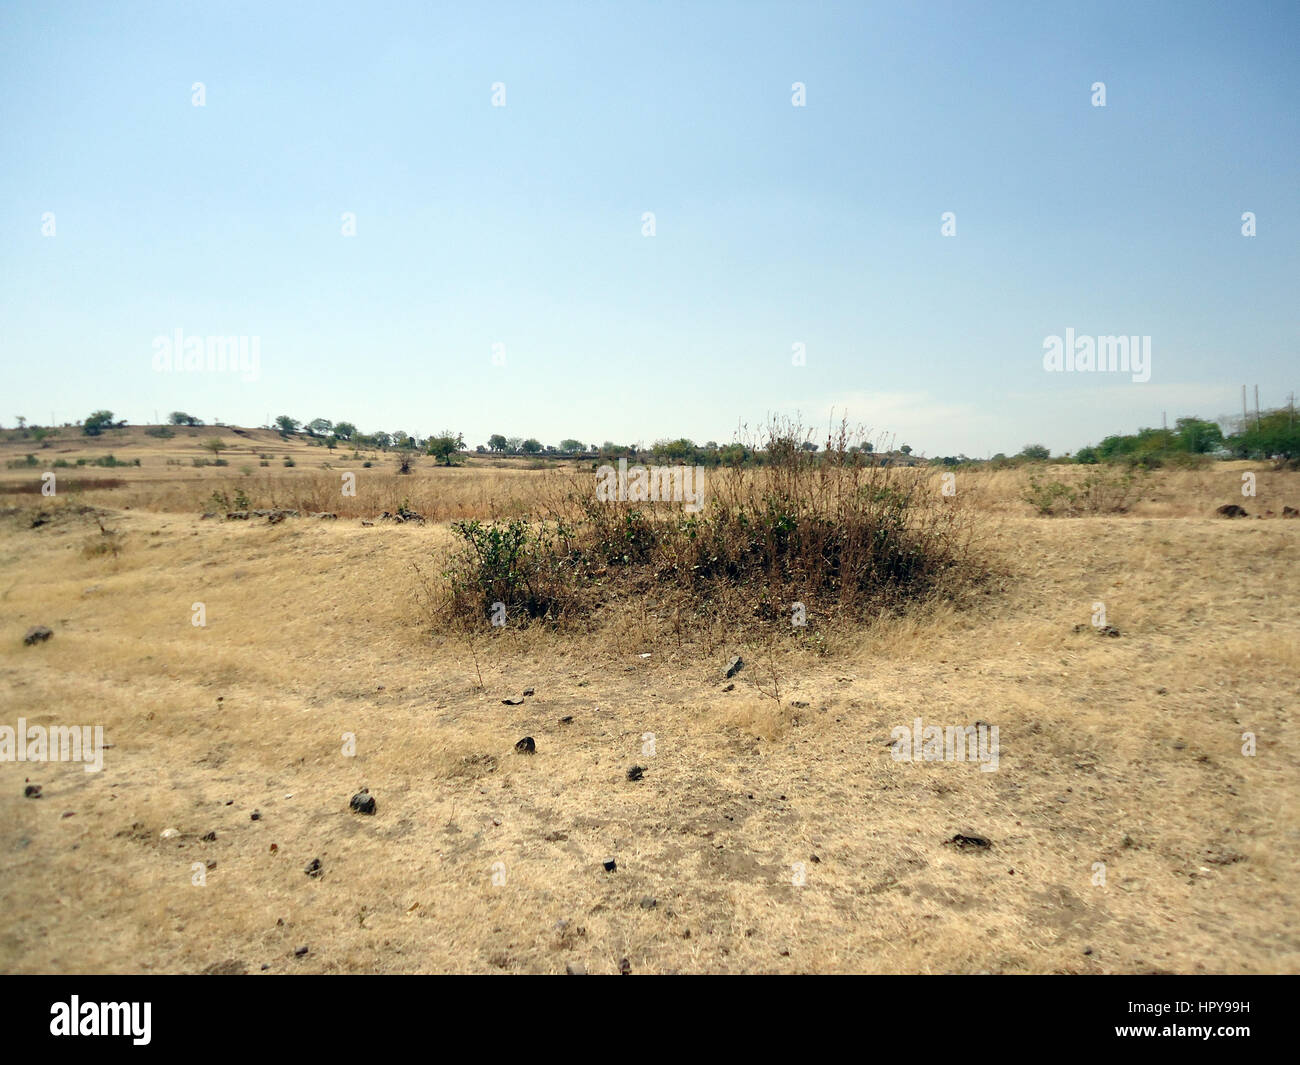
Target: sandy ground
1128 832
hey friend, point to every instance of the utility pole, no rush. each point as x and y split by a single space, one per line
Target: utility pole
1257 406
1164 419
1245 418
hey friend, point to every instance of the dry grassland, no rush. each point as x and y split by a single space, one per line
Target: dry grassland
1123 751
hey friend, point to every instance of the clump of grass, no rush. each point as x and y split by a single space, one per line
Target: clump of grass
1102 491
800 539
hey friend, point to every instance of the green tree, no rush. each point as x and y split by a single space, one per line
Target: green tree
531 446
97 422
570 445
497 442
443 445
287 425
1198 436
318 426
345 430
1035 453
216 445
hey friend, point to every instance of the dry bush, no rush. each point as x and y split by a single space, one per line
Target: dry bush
836 532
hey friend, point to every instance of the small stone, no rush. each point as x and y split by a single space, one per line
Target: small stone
526 746
635 773
211 837
32 791
729 688
964 842
624 967
567 719
528 691
314 868
575 969
513 702
735 666
649 902
37 634
170 833
301 952
610 866
256 815
363 802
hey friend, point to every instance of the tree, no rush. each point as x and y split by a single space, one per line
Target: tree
216 445
382 439
514 444
1197 435
98 422
22 422
906 449
179 417
570 445
345 430
497 442
318 426
443 445
1035 453
531 446
287 425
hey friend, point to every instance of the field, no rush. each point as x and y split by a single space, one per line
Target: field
772 829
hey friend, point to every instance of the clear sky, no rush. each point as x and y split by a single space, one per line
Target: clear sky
775 225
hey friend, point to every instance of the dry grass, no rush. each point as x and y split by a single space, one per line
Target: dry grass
1122 751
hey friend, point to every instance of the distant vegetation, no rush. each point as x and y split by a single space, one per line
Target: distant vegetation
1272 435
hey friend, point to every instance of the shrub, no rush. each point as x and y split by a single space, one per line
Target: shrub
833 528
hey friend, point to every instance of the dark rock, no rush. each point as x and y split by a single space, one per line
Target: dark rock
648 902
256 815
1290 512
513 702
211 837
32 791
237 515
610 866
528 691
363 802
526 746
735 666
635 773
963 842
301 952
624 967
729 688
314 868
37 634
567 719
1231 510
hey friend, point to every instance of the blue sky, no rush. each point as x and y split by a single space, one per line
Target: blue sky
775 225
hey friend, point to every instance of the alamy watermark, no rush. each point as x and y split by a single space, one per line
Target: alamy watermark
58 743
955 743
181 354
1109 354
652 484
